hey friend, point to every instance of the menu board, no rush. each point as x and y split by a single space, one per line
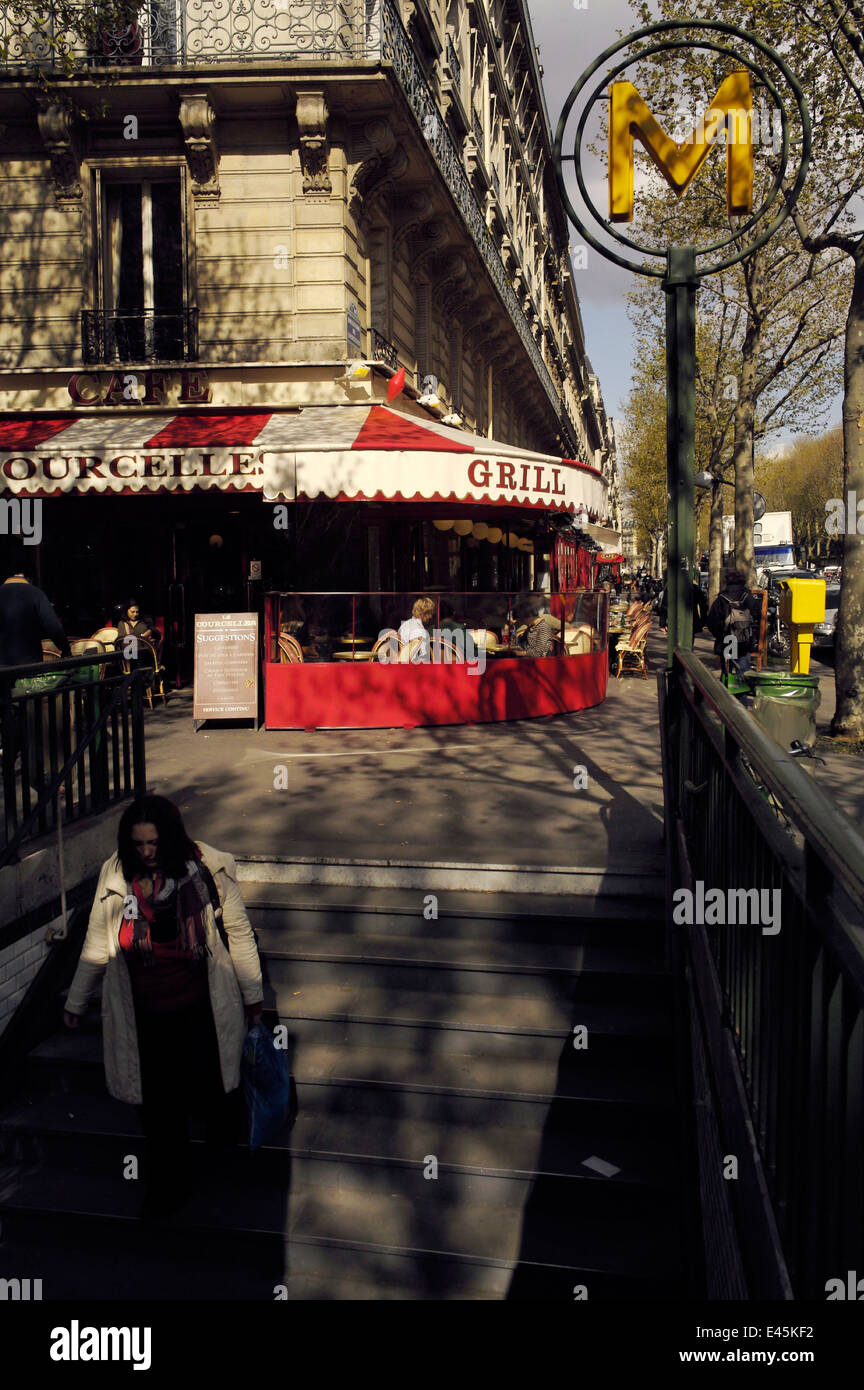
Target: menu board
226 666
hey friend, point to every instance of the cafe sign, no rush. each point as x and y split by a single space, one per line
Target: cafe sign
352 453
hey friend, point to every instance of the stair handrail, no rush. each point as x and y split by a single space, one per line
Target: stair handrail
133 683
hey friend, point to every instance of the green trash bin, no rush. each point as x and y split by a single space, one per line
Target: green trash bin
785 705
735 684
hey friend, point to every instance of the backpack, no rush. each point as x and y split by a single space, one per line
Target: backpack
738 622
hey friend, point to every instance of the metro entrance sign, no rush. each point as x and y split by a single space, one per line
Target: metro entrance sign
631 121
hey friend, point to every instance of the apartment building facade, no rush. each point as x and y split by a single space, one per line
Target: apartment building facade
218 217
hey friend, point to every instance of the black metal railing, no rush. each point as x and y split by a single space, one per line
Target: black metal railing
570 435
72 737
167 32
453 62
496 182
477 127
778 1010
144 335
383 350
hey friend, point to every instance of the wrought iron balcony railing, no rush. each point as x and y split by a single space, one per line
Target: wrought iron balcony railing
477 127
139 336
383 350
170 32
453 63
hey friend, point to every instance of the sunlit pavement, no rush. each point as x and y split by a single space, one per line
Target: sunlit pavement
493 793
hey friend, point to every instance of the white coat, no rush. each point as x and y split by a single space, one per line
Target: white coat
234 979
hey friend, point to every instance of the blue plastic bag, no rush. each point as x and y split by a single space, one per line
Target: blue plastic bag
267 1085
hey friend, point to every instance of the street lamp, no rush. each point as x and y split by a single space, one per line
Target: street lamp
705 479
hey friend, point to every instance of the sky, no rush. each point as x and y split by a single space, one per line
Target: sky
569 39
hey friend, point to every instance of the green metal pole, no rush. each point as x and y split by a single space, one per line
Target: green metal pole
680 284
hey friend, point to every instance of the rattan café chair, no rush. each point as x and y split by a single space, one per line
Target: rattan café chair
632 648
385 645
290 649
147 657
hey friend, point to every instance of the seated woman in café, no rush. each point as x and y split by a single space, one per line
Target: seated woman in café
131 624
539 633
419 625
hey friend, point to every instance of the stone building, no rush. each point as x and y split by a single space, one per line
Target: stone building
216 218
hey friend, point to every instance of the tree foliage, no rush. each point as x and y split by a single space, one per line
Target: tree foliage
800 480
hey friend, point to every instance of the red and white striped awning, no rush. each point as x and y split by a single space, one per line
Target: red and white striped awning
351 452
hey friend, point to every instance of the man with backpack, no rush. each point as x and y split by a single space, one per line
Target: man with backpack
733 621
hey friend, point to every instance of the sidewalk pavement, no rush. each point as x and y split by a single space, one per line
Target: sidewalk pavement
491 793
842 777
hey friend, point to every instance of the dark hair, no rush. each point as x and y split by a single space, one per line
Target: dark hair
175 846
731 576
133 603
15 559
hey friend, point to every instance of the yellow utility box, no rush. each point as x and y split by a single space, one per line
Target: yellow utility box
802 606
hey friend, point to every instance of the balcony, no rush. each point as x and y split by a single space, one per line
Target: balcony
139 336
453 63
165 33
383 350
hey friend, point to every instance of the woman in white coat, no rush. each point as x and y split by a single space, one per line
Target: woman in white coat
173 998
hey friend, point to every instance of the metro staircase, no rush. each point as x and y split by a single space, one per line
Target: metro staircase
420 1047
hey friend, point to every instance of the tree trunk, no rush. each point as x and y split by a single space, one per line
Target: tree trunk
848 721
715 541
745 412
742 454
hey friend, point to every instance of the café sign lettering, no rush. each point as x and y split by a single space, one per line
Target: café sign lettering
139 388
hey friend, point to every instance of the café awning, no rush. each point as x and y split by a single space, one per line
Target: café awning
367 452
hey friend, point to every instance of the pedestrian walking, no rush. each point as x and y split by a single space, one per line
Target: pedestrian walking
733 621
176 988
26 616
700 608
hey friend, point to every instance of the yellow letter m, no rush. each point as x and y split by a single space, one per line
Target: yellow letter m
630 119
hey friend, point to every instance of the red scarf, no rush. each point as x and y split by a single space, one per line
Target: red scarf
188 896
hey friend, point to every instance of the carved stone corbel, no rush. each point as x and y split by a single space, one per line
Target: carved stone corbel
198 123
55 128
383 163
414 209
428 242
312 121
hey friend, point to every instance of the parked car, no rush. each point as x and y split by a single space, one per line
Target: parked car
769 577
824 634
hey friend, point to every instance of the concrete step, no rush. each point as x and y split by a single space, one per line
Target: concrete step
609 1069
418 1046
637 880
364 968
508 1014
440 945
348 1121
105 1152
493 908
92 1256
346 1224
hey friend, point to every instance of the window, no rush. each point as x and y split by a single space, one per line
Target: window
143 272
